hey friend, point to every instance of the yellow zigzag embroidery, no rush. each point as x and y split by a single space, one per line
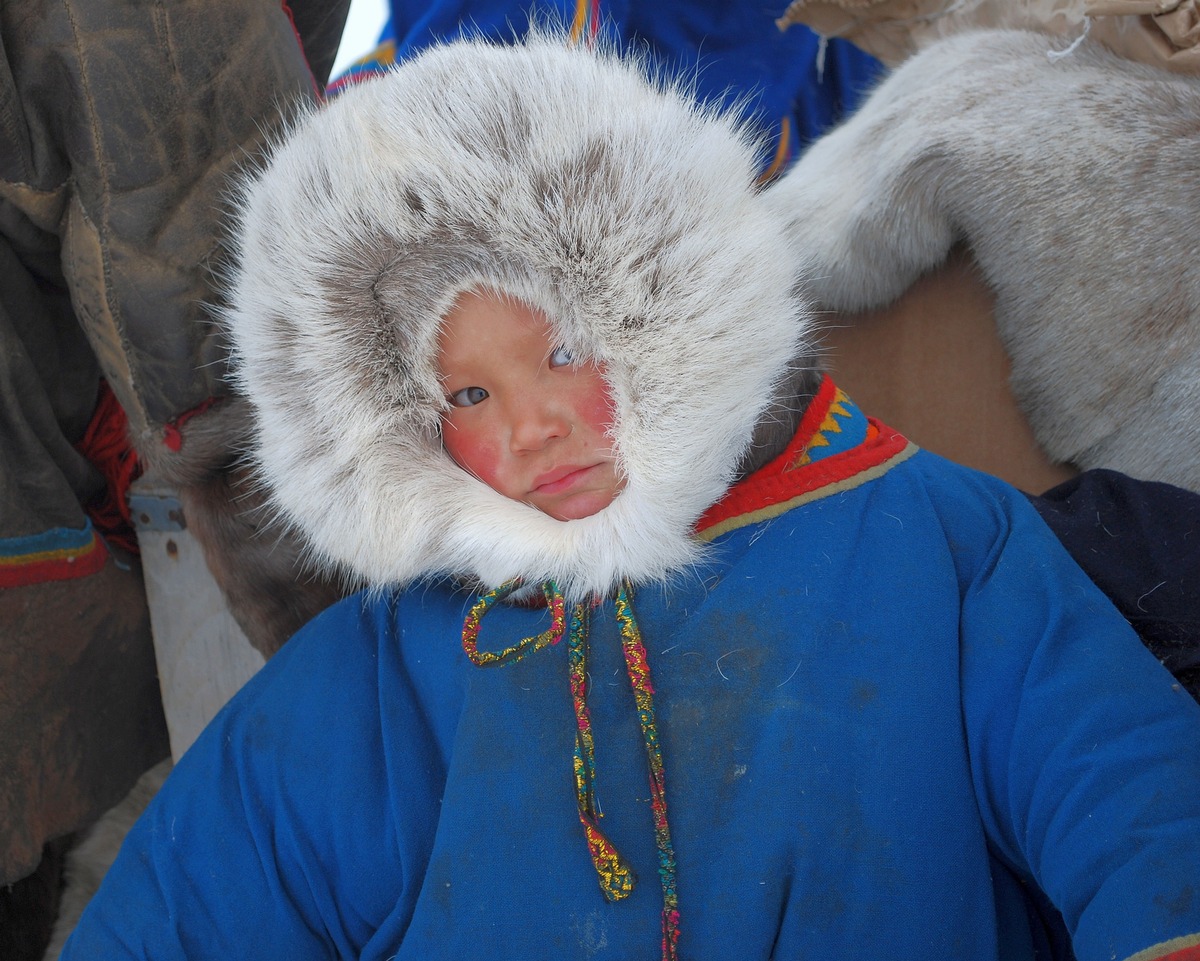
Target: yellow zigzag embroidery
828 425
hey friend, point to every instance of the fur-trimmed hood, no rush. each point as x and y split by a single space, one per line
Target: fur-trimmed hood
557 175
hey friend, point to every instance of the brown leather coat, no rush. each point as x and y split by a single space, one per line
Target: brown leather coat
121 123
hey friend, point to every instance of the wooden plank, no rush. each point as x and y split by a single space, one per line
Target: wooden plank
203 656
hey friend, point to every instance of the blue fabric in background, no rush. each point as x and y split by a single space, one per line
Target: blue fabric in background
1140 542
734 51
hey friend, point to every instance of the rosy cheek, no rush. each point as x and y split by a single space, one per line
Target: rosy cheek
595 407
472 449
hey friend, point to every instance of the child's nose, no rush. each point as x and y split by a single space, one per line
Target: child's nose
535 425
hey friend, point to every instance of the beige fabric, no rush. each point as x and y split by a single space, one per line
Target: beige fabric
1161 32
1154 31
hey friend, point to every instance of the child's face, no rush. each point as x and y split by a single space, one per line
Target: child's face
525 418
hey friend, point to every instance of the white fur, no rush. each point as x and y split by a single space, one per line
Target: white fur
557 175
1076 184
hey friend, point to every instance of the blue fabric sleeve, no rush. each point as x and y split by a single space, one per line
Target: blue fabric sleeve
1085 751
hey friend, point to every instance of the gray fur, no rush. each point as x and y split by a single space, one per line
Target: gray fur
1076 184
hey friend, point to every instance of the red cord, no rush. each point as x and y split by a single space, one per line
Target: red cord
106 444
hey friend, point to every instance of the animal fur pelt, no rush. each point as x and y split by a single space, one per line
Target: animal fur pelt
89 860
271 588
1159 32
1076 183
557 175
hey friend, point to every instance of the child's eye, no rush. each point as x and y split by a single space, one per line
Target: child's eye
562 357
468 397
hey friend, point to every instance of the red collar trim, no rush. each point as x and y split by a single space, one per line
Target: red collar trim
791 480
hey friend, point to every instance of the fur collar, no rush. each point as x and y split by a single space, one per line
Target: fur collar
560 176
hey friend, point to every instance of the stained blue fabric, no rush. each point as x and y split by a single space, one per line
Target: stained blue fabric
897 721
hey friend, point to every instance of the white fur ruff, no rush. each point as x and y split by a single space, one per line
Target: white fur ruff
557 175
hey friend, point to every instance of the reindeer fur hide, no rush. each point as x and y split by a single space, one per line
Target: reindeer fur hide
1075 180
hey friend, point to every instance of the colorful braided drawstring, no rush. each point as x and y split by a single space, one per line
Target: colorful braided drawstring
616 877
638 667
510 655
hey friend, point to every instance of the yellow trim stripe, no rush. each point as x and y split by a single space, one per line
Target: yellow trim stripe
1167 948
837 487
60 554
581 13
781 152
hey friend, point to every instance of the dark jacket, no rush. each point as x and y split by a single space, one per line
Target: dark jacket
120 125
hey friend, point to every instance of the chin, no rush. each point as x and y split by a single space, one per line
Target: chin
578 506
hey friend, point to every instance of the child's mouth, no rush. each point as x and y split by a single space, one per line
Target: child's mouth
560 479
